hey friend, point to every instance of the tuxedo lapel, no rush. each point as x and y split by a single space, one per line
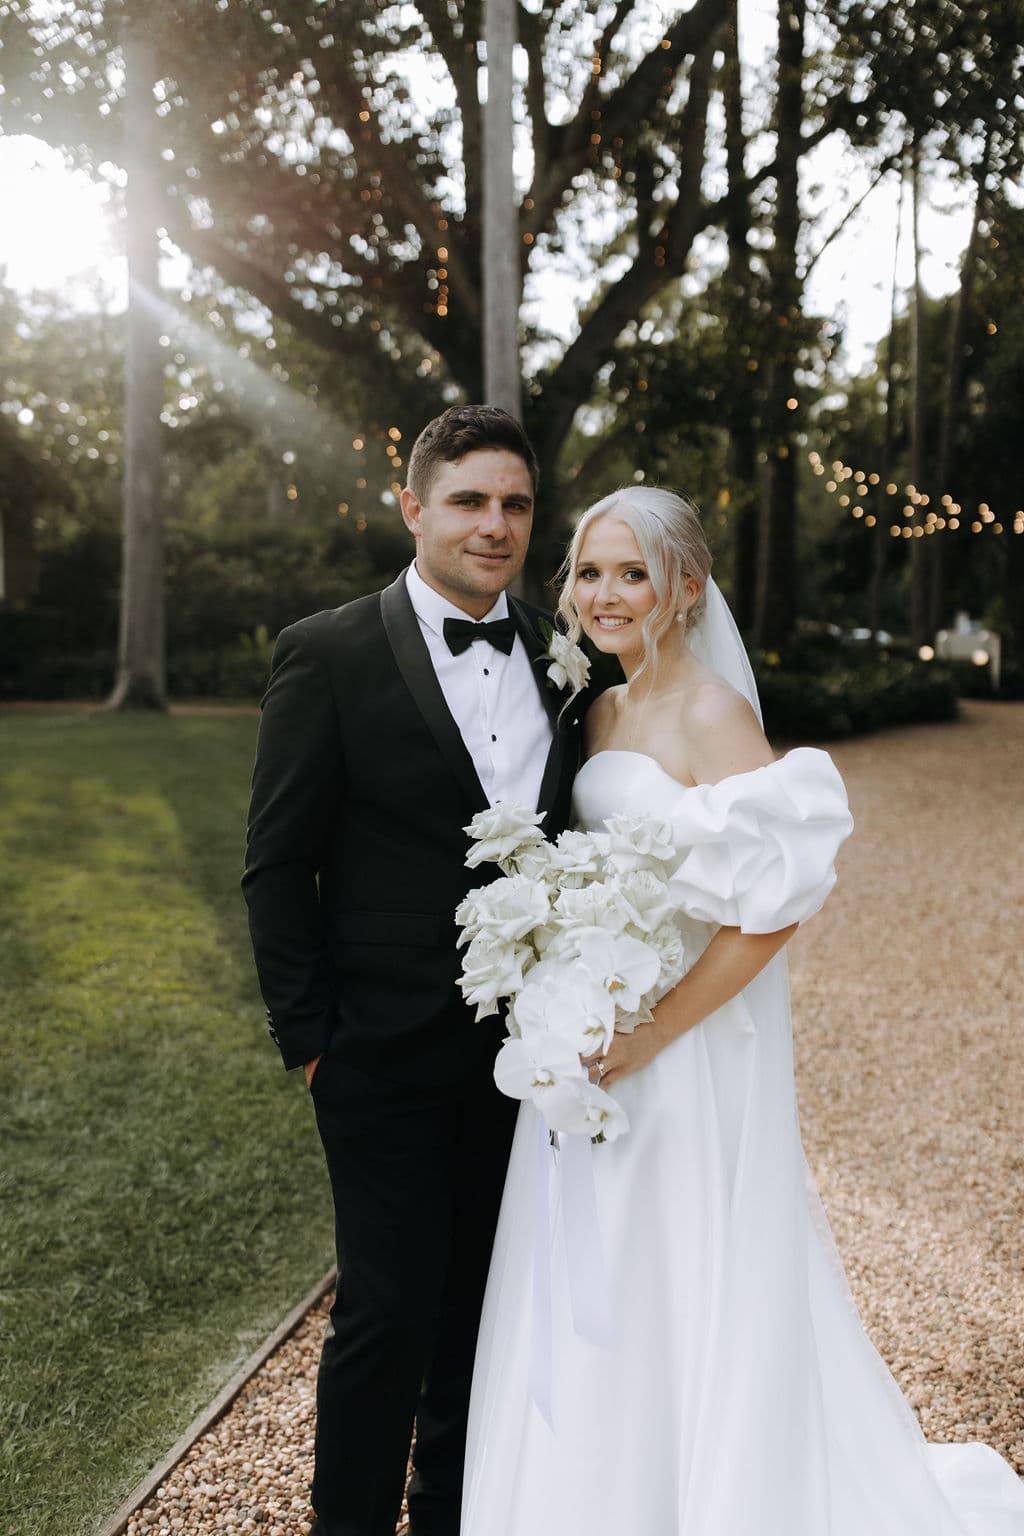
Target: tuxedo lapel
536 648
410 651
563 737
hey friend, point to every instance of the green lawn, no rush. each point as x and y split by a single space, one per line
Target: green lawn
162 1196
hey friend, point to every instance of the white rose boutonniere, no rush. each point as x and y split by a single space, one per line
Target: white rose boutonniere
569 666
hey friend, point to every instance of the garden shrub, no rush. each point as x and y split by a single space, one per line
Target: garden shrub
866 691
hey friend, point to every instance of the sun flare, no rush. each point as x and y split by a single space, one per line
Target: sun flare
60 234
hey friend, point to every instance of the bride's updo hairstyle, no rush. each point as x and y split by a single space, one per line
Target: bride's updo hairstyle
668 530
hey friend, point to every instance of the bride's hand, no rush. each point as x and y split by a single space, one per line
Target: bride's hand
627 1053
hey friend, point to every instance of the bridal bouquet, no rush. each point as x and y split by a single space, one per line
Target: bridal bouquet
579 936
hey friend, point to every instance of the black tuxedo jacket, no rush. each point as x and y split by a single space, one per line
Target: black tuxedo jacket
355 850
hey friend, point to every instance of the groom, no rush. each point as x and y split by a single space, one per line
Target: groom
387 724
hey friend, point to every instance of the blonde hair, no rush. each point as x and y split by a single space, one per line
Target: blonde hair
668 530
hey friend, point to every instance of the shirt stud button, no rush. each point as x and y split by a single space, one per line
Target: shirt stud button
494 738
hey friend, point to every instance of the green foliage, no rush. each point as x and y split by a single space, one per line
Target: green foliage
974 682
823 689
330 195
330 199
983 571
163 1192
229 592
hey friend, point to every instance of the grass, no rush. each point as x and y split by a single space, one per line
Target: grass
162 1195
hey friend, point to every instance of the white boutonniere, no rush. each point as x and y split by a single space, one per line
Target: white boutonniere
569 666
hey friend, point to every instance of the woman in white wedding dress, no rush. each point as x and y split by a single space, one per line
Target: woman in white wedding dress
734 1392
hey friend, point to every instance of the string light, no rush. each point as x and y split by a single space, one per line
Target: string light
917 500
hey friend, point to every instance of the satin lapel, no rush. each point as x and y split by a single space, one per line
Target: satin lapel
536 647
405 637
563 736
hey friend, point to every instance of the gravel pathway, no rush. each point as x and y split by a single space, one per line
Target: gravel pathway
910 1059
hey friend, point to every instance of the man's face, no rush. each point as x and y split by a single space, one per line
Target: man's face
473 530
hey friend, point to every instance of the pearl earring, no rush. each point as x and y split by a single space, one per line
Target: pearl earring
681 617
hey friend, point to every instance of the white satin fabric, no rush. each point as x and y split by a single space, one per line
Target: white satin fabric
739 1395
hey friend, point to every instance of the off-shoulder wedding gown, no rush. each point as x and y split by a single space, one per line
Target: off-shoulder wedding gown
737 1394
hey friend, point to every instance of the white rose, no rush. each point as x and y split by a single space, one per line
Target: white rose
647 898
577 853
626 1023
491 971
640 842
592 906
500 832
536 863
671 950
569 666
503 911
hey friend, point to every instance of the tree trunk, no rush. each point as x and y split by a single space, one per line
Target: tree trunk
742 405
775 609
141 682
918 384
951 402
502 268
880 532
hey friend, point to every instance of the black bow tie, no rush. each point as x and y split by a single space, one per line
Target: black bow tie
459 634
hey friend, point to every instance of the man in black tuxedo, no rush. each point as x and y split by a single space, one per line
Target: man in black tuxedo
387 724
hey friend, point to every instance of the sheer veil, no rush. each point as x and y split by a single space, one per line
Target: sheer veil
715 641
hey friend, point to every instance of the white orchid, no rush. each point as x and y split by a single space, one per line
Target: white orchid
569 666
626 967
524 1069
577 1107
564 999
500 832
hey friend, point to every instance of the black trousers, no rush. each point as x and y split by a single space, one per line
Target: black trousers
416 1173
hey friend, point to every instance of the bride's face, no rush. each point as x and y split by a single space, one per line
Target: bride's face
612 589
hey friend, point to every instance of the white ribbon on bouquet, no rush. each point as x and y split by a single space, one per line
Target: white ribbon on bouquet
571 1163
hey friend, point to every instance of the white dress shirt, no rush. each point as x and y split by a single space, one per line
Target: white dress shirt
494 699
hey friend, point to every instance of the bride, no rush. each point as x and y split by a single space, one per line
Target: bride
734 1392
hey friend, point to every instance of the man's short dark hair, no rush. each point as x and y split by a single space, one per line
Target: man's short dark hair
466 429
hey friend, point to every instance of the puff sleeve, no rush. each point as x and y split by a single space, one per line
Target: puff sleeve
757 849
